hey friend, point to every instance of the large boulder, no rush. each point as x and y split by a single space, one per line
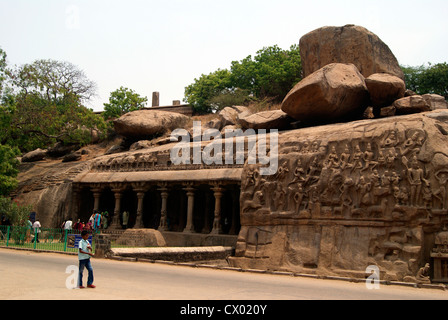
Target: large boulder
229 115
148 123
331 93
384 89
274 119
412 104
435 101
348 44
33 156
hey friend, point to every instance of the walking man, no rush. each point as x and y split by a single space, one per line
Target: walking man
84 255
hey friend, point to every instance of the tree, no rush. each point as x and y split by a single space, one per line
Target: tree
122 101
8 169
2 69
428 79
272 73
206 87
45 105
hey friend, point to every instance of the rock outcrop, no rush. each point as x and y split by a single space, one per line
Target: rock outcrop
349 196
148 123
329 94
348 44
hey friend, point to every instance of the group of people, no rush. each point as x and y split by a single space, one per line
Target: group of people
97 221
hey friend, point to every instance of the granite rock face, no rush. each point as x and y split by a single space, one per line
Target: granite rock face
147 123
348 44
348 196
333 92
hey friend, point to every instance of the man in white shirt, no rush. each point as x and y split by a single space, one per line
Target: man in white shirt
36 229
84 255
68 224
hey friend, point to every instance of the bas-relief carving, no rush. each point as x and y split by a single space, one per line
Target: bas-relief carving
383 179
363 178
157 161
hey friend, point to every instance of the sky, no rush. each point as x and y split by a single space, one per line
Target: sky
163 46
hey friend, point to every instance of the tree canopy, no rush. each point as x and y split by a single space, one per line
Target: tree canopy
122 101
271 73
428 79
43 102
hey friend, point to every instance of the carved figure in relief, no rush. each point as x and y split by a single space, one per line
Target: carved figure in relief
333 159
298 197
369 158
299 172
345 189
441 194
427 196
416 178
390 158
413 144
313 173
357 158
254 204
345 159
365 194
391 140
279 197
283 171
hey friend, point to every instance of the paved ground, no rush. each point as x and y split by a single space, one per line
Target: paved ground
30 275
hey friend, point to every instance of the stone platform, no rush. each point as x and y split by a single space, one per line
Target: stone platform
175 254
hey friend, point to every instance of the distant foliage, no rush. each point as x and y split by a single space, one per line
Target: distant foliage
122 101
17 215
43 103
8 169
272 73
428 79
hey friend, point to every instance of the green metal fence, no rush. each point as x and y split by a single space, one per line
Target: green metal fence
46 239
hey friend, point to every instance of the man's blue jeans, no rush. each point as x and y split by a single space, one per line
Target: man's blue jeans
85 264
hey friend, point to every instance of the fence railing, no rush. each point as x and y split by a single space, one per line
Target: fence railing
59 240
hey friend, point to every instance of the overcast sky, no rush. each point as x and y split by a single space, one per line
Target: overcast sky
149 45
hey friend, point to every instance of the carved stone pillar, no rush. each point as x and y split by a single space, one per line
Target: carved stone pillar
163 214
235 212
217 227
97 189
141 189
117 189
76 201
190 194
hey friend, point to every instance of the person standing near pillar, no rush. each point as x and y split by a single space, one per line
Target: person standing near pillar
125 219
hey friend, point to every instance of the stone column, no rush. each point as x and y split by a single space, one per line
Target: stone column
190 194
163 214
141 189
97 189
217 227
235 212
118 193
206 228
155 99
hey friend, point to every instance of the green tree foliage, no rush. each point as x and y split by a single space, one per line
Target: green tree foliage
44 104
428 79
272 73
8 169
2 68
122 101
207 87
18 215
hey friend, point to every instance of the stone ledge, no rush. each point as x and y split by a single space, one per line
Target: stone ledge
181 254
